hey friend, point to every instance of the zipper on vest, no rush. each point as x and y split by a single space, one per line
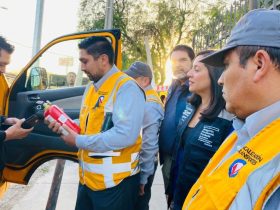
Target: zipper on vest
82 155
86 122
193 197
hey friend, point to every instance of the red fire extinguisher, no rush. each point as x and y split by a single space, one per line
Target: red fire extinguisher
54 113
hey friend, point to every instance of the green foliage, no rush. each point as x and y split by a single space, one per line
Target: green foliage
216 23
91 15
165 23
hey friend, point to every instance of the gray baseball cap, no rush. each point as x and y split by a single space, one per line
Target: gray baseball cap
138 69
260 27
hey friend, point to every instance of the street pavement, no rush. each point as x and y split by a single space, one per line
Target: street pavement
34 196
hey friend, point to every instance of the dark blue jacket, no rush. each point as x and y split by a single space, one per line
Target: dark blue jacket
200 144
2 136
175 104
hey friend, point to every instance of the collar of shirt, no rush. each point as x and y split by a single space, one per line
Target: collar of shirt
178 83
251 126
255 122
98 84
149 87
178 87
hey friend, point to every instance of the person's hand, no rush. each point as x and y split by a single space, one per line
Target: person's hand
11 121
70 138
16 131
54 126
141 189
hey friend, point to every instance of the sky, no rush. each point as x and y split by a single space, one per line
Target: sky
17 21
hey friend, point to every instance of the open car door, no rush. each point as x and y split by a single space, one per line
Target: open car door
46 77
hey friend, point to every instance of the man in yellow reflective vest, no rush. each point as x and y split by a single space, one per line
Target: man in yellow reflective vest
10 128
245 171
109 144
13 125
153 116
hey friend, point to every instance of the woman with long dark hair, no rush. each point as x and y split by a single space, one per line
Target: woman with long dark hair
203 127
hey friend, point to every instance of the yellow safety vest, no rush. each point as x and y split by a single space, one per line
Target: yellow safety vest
152 96
100 171
3 93
218 186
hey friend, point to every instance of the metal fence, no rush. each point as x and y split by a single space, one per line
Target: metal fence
214 34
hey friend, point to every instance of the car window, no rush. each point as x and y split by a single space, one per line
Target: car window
57 67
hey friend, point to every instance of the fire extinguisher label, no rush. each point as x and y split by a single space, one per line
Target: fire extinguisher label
62 119
50 118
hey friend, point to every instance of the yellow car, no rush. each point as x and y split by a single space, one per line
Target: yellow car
36 81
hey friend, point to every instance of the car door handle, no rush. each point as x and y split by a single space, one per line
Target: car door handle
34 97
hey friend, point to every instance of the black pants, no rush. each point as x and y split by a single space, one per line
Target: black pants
121 197
143 201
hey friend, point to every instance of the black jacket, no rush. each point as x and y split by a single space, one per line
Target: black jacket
2 136
175 103
199 145
2 133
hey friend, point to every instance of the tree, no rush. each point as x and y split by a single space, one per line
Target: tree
215 24
165 22
91 15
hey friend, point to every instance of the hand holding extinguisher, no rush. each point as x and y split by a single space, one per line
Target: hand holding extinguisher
60 122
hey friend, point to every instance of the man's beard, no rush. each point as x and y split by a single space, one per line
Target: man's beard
94 78
181 75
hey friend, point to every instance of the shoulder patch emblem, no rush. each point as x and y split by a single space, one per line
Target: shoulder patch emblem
235 167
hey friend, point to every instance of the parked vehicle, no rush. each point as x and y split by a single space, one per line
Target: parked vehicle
37 81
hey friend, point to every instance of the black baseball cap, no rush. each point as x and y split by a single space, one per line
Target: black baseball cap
260 27
138 69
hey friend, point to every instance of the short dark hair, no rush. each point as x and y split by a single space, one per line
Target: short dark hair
97 46
4 45
184 48
71 72
217 102
246 52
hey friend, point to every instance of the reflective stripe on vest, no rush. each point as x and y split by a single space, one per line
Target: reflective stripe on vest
104 170
217 187
152 96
